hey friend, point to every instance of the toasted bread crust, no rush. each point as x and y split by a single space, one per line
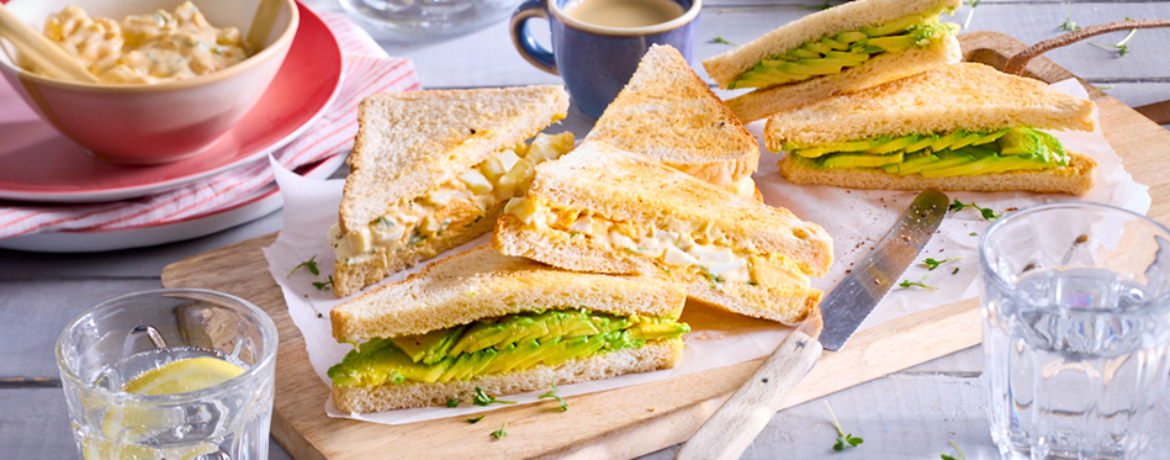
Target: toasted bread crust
410 143
599 178
761 103
958 96
482 283
781 294
651 357
667 113
727 66
1075 179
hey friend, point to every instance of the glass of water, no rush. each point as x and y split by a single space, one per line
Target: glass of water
412 20
1076 330
170 374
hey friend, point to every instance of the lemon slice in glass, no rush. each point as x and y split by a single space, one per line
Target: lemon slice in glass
125 426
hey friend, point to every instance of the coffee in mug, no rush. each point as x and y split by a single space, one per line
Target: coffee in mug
624 13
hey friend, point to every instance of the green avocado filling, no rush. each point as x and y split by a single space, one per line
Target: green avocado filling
959 153
498 345
833 53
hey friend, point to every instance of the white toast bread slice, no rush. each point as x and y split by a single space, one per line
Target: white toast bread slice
958 96
727 66
667 113
600 180
410 143
760 103
482 283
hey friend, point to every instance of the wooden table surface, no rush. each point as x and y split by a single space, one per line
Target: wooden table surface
910 414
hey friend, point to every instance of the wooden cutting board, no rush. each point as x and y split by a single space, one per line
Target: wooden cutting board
636 420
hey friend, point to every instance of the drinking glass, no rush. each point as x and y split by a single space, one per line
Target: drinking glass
1076 329
126 338
412 20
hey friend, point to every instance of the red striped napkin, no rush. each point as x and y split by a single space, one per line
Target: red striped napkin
367 70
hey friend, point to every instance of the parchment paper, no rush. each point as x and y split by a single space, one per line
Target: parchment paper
855 219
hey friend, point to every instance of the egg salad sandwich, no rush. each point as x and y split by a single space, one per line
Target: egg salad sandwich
483 322
844 48
430 170
958 127
667 113
602 210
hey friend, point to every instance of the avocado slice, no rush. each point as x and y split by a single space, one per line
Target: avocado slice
834 44
946 140
647 330
431 347
911 163
969 139
851 36
990 137
852 160
816 47
898 143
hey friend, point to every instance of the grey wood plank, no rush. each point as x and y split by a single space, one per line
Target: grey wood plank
34 425
33 313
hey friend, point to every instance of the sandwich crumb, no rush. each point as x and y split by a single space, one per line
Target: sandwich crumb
652 409
320 315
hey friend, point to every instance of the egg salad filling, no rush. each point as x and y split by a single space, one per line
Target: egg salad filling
407 223
700 251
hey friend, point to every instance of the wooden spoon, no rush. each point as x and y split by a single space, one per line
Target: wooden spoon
262 22
52 59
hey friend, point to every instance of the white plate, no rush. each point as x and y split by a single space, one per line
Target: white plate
248 208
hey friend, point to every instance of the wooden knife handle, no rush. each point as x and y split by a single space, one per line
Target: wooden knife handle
735 425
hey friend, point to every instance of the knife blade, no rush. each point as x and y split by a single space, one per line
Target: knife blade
735 425
855 297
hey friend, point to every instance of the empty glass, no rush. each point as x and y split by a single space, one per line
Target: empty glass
421 19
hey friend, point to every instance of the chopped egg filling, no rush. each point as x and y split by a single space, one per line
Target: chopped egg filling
674 247
407 223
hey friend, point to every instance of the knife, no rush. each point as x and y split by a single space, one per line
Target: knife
735 425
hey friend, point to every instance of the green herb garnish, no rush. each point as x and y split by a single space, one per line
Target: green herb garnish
553 394
1069 25
844 441
824 6
475 420
482 399
500 433
1122 46
986 212
722 41
310 264
452 403
921 284
932 264
957 449
322 286
956 272
972 234
476 221
967 23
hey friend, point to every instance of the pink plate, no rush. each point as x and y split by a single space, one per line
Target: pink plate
38 164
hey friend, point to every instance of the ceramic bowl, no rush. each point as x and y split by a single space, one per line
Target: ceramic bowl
152 123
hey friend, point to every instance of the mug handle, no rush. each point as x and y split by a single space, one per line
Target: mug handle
525 43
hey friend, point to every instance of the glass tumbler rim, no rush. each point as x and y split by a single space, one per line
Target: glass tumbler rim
982 248
267 329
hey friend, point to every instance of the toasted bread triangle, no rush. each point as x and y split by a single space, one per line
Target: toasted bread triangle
623 187
957 96
728 66
667 113
482 283
410 143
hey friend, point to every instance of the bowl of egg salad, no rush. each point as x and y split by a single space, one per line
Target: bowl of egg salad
173 76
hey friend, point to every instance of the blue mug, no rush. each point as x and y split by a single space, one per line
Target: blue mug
597 61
